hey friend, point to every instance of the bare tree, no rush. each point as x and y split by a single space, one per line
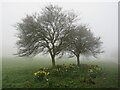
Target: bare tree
44 32
82 41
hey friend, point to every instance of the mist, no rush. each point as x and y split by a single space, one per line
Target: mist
100 17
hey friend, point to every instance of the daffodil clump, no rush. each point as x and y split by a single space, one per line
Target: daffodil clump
42 74
63 71
93 71
93 68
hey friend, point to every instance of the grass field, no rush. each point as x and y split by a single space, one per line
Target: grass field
18 73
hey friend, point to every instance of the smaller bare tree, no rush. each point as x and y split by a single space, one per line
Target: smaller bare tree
82 41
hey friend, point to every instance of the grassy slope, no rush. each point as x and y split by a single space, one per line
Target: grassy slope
18 73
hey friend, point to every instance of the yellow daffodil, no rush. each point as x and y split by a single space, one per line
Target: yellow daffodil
48 73
90 70
35 74
47 79
45 73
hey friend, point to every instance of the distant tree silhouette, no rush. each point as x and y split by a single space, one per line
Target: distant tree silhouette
82 41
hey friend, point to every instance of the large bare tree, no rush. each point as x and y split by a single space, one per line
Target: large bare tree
45 32
82 41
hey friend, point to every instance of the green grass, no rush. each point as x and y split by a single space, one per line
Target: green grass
18 73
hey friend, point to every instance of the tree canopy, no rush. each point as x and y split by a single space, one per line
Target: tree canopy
82 41
45 32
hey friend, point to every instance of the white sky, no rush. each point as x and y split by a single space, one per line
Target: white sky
102 18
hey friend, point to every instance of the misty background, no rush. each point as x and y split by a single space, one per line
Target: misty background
101 18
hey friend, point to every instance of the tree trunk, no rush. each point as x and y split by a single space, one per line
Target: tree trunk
53 61
78 60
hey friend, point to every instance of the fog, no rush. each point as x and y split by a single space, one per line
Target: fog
101 17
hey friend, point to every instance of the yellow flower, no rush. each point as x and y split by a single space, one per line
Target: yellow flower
45 73
47 79
48 73
90 70
35 74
